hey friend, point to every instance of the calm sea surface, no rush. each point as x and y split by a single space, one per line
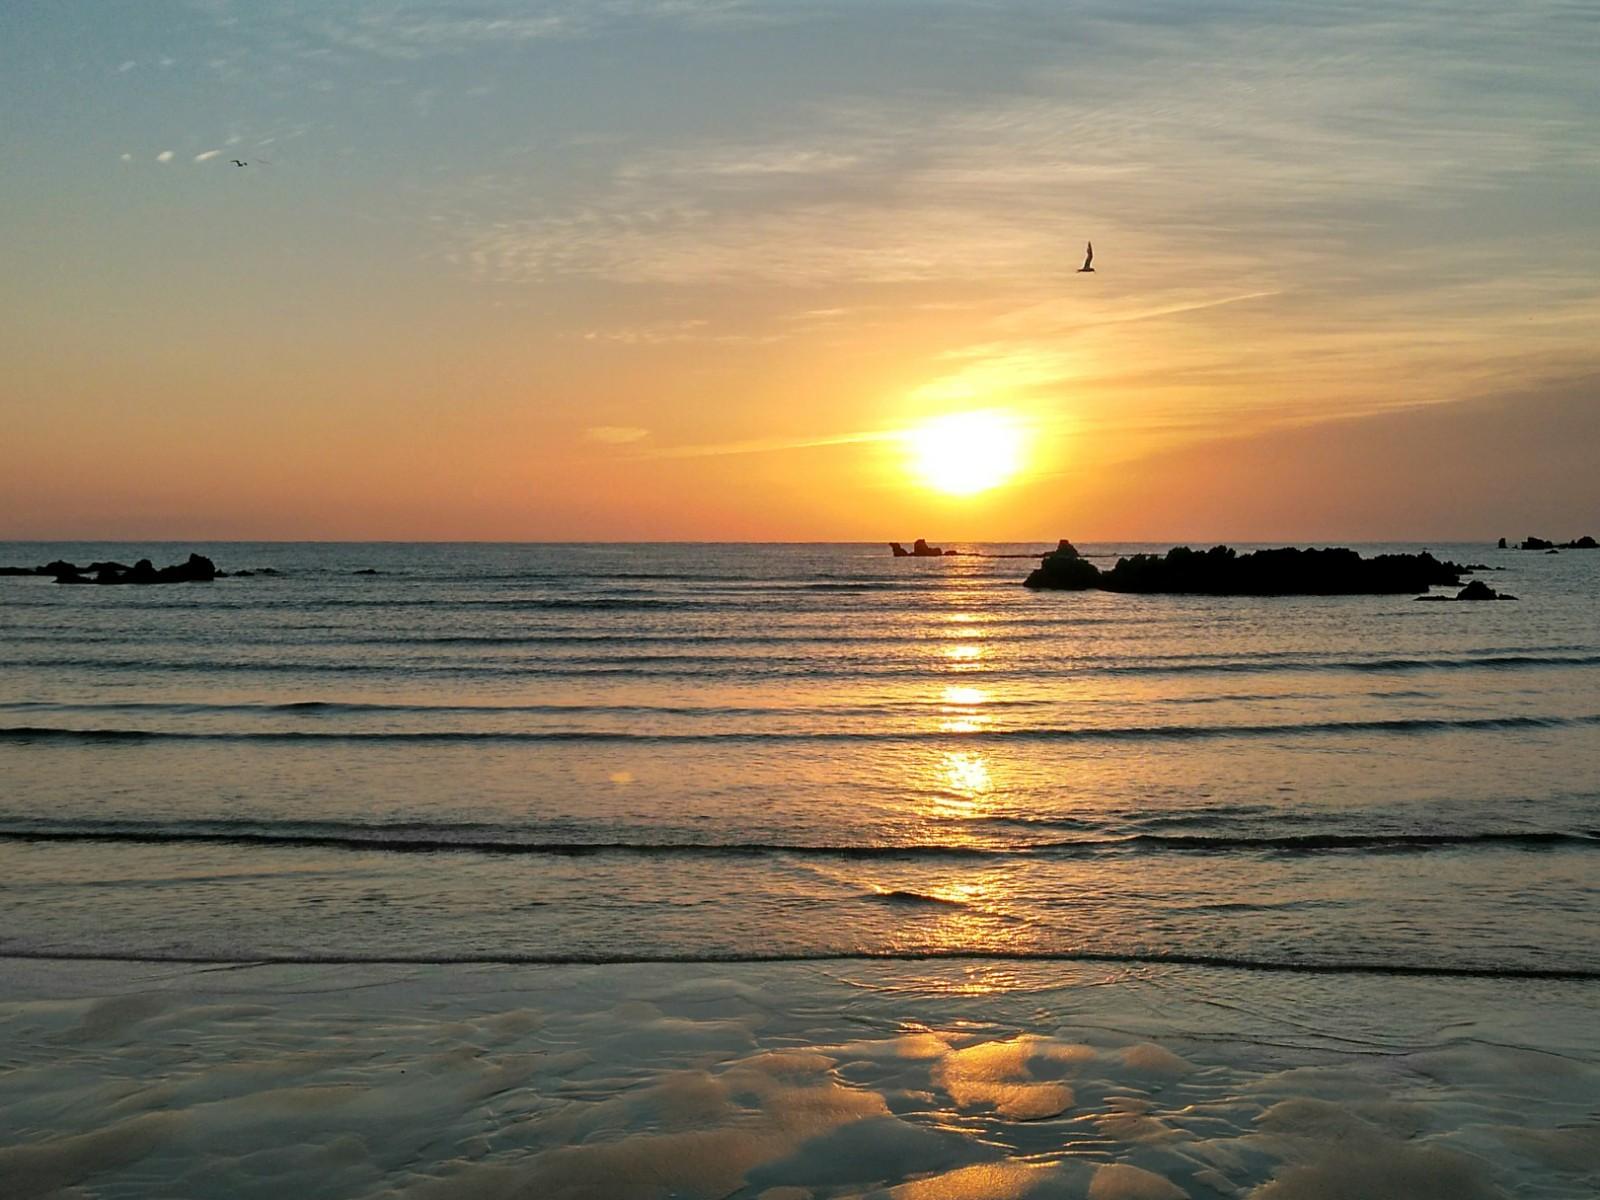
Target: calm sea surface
608 753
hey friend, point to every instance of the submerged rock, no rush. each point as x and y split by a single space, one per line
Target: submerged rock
1222 571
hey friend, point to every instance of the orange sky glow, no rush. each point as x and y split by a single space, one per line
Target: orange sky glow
705 271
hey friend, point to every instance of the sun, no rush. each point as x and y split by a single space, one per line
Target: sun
966 453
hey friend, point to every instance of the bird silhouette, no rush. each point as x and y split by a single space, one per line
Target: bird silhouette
1088 258
237 163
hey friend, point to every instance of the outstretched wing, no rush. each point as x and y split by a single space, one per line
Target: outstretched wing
1088 257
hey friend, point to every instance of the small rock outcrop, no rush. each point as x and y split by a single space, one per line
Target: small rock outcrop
1501 544
919 549
1223 571
1476 590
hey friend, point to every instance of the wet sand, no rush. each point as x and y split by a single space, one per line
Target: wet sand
897 1079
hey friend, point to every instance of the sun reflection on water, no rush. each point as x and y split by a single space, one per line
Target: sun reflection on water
962 710
966 774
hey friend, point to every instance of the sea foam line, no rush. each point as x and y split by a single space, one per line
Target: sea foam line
580 958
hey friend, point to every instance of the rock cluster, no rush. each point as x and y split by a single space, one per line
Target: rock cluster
1223 571
197 569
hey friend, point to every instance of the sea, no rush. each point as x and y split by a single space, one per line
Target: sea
792 870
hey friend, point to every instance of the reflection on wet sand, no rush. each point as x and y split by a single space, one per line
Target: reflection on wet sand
894 1083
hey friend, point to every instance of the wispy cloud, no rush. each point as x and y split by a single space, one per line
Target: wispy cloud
409 31
775 445
616 435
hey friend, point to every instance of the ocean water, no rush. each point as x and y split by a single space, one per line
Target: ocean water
1132 874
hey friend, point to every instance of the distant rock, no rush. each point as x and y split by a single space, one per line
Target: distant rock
1222 571
919 549
366 571
1501 544
1586 542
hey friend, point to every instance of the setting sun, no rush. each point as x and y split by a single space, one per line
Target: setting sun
966 453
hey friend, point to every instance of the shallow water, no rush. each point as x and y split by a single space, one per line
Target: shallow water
1218 824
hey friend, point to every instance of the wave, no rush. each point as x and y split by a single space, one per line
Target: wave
583 958
418 838
699 666
909 896
1399 726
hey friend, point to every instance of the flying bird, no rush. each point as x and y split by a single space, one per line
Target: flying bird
237 163
1088 258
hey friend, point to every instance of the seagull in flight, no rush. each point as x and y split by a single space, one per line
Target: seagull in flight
1088 258
237 163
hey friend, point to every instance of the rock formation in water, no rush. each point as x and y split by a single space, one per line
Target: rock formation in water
1222 571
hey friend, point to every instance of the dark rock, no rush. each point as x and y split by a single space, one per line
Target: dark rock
20 571
1501 544
1222 571
1584 543
1064 568
1533 543
366 571
1552 552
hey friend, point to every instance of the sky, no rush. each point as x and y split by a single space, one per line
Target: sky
702 269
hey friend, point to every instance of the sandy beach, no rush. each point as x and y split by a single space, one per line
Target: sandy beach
777 1082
